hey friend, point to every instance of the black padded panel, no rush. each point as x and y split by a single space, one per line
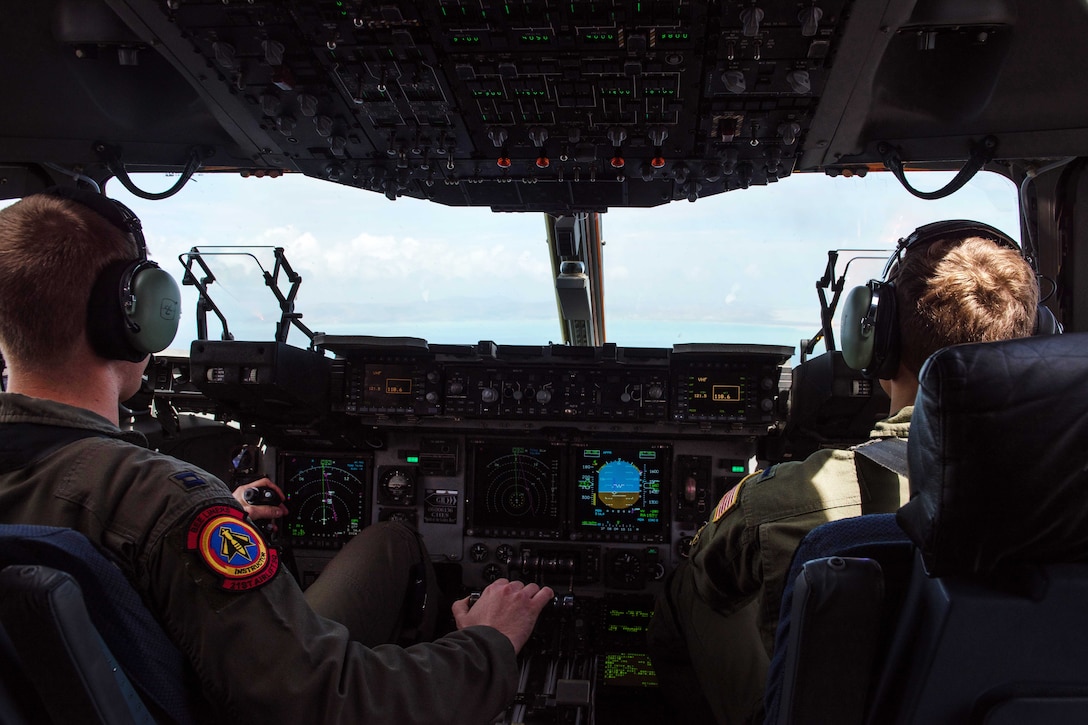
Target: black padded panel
837 610
998 455
873 536
150 659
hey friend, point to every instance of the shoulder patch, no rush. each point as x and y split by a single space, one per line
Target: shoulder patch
729 500
188 479
231 547
768 474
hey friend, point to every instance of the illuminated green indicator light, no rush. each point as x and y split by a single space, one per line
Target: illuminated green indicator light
465 39
740 469
600 37
535 38
412 459
675 36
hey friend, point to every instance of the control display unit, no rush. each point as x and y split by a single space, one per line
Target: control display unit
618 491
388 385
327 496
515 489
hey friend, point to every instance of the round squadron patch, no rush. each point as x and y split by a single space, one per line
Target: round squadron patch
231 547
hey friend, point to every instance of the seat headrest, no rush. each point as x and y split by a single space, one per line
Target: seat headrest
998 455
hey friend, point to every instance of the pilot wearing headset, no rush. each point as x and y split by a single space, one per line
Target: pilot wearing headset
81 307
713 631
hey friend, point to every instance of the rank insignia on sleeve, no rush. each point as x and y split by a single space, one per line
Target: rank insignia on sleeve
231 547
189 479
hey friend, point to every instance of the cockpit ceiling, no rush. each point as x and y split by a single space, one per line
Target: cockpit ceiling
539 105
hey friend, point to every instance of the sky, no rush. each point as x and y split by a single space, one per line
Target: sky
738 267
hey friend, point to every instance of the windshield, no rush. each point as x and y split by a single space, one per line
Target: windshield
739 267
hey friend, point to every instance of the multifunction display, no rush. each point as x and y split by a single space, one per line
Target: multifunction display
515 489
618 494
326 496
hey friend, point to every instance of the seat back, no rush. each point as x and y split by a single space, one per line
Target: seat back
834 619
60 568
991 630
969 650
49 637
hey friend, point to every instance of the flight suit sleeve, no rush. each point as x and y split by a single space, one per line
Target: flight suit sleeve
725 561
263 655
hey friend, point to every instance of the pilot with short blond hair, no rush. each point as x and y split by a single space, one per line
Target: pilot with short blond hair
712 634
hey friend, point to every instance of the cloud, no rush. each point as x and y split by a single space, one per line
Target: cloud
722 269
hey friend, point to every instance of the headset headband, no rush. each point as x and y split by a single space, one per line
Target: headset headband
934 231
113 211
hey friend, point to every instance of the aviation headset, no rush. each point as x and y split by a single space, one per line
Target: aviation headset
870 322
135 305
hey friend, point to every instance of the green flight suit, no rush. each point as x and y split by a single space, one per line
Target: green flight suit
720 609
260 651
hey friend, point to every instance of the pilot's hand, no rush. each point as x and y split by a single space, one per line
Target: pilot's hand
256 512
509 606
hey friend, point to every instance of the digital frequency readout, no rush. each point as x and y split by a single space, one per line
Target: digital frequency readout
326 496
387 385
619 490
716 395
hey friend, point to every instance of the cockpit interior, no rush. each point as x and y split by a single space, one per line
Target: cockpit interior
578 463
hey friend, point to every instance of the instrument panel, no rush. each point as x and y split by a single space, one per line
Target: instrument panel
588 470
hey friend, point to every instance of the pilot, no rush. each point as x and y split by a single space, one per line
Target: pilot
80 309
713 629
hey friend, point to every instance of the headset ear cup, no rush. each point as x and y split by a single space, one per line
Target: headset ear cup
155 309
885 362
106 323
856 334
133 311
870 330
1045 322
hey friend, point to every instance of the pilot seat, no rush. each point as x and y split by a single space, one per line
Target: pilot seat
968 604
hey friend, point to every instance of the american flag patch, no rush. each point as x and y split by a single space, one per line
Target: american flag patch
727 501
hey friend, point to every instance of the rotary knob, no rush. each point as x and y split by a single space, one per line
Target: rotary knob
489 395
505 553
543 396
492 572
479 552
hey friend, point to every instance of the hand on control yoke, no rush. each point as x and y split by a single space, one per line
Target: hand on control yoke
511 607
261 499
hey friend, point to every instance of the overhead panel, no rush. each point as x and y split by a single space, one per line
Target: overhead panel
550 106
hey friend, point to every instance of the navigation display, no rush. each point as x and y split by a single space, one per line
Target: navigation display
326 496
618 491
514 489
